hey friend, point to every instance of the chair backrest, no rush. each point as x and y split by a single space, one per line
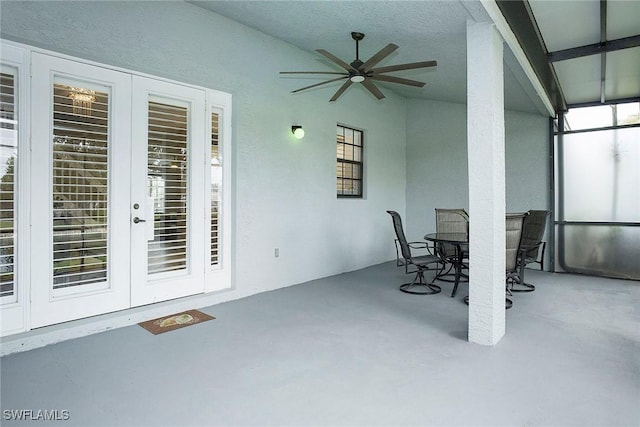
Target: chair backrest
513 225
397 226
451 221
533 230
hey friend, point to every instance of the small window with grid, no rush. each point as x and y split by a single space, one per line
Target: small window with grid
349 162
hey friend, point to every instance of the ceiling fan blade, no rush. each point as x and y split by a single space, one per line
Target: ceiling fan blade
373 89
400 67
393 79
319 84
312 72
335 59
382 53
341 90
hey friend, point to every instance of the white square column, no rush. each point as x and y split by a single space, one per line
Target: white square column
486 164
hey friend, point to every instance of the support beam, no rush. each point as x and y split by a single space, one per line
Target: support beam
486 165
603 55
595 49
519 16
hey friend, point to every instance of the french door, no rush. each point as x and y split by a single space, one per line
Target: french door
167 187
118 200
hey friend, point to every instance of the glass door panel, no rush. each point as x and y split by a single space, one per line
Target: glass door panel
81 139
168 182
80 186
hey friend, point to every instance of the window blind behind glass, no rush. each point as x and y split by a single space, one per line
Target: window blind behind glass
8 157
168 183
216 188
80 185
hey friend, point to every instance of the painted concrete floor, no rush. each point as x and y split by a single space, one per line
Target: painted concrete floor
351 350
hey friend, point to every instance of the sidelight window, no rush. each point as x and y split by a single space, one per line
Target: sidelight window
8 157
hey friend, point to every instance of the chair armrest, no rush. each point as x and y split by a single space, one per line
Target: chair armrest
422 245
418 245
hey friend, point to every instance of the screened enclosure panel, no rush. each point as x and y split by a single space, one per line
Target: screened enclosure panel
604 250
601 172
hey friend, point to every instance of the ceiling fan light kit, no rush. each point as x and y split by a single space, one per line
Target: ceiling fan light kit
363 72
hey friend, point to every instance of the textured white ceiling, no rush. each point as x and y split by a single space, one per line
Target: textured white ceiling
424 30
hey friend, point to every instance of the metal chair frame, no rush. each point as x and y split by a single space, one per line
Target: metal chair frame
532 248
418 286
514 225
452 221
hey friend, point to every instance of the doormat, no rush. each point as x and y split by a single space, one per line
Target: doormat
175 321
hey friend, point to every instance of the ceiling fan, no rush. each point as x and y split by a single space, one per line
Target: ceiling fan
363 72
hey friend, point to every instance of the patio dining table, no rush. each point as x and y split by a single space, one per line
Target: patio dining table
459 241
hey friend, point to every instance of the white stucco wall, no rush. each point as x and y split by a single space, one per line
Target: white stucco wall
283 189
437 162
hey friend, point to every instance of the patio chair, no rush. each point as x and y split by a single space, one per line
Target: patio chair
532 250
513 237
418 286
514 223
452 221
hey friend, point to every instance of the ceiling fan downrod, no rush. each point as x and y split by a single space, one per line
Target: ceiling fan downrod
357 37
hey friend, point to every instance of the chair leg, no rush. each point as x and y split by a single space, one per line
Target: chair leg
457 277
544 245
455 289
455 266
524 287
399 263
419 286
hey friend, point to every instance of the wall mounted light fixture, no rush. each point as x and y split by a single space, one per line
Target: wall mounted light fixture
297 131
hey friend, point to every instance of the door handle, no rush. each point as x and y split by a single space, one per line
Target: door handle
137 220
